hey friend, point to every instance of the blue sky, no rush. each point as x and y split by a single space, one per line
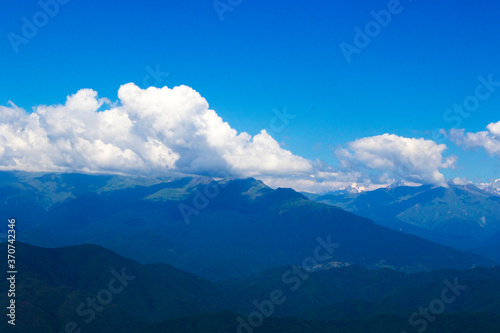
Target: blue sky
270 55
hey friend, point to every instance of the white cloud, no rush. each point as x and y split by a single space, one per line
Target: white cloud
391 158
152 131
489 140
491 187
322 182
461 181
163 131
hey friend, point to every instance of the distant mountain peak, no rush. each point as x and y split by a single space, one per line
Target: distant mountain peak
256 189
493 187
461 215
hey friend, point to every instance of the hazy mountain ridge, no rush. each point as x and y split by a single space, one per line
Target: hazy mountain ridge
462 216
231 234
56 282
224 323
493 187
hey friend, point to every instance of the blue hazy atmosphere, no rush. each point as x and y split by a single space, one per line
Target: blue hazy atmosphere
248 58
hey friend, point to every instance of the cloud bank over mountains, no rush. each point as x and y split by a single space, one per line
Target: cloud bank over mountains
489 140
172 131
153 131
401 159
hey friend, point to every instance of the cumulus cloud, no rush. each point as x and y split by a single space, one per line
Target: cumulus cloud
374 162
172 131
461 181
489 140
149 132
391 158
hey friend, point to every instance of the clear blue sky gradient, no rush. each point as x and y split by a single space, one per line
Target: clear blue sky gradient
273 54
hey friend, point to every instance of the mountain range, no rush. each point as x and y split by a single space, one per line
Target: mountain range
96 290
219 229
462 216
108 253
